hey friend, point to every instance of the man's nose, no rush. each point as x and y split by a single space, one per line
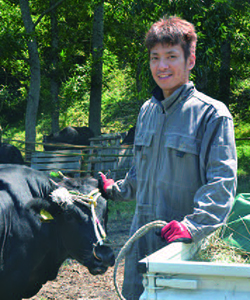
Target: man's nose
163 64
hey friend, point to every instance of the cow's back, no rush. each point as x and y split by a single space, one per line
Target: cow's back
23 183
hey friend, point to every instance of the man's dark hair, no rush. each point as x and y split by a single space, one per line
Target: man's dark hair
173 31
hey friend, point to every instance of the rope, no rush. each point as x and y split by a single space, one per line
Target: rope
138 234
89 200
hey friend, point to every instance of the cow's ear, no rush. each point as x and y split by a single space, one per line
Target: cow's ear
44 208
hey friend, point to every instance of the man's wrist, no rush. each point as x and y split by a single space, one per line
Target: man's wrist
109 192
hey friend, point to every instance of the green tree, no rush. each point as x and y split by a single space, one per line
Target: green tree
96 72
66 38
54 76
218 23
12 60
35 79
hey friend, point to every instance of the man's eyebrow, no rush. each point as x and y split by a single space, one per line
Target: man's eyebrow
171 51
166 52
153 53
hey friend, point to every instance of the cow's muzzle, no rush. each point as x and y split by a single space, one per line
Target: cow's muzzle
104 254
103 258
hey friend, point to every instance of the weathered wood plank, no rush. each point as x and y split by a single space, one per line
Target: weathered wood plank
63 160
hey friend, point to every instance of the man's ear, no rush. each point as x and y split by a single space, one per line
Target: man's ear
191 62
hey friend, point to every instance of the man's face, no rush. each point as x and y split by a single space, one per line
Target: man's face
169 68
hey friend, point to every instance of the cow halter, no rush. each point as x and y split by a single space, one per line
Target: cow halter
90 200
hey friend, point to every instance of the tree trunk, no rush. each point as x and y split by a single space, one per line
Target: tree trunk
96 76
54 78
35 78
224 88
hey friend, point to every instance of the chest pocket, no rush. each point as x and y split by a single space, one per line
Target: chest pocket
183 144
143 140
181 156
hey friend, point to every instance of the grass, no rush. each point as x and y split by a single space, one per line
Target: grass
215 249
121 210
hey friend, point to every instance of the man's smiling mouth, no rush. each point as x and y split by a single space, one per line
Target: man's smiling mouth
164 75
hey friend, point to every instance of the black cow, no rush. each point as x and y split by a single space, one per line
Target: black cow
10 154
125 159
41 225
69 135
129 138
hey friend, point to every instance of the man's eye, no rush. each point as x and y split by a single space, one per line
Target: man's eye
154 58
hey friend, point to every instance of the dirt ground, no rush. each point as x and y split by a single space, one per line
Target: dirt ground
75 282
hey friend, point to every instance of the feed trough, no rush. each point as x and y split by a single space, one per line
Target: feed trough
170 273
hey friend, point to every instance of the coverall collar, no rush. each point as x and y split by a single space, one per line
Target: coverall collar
179 95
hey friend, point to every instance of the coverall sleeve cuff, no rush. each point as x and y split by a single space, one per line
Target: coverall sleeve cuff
191 229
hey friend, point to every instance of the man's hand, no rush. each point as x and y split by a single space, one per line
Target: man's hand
176 232
104 183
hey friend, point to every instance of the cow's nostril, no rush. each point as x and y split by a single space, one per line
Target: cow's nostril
97 256
107 257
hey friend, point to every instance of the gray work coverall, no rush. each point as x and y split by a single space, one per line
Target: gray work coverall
184 169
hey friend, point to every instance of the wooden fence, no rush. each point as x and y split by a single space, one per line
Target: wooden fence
104 154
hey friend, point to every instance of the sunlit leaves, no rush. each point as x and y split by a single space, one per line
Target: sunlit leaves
126 23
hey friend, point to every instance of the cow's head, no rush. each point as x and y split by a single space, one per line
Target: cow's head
78 219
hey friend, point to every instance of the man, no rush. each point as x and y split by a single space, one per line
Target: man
184 153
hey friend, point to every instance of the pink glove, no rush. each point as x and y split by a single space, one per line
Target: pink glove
176 232
104 182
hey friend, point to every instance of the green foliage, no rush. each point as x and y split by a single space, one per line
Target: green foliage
75 90
243 154
120 106
11 42
242 132
119 103
12 71
215 21
241 102
127 81
11 105
120 210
